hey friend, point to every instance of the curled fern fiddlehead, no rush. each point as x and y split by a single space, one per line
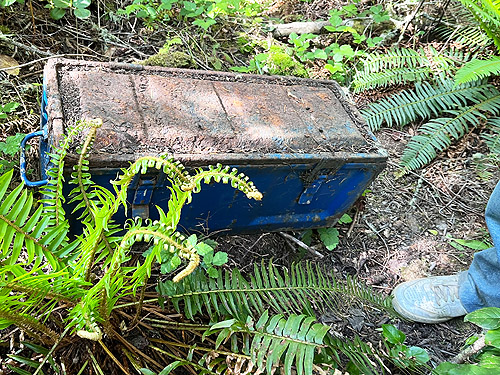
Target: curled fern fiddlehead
174 242
224 174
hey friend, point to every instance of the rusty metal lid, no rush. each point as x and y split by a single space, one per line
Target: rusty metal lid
148 110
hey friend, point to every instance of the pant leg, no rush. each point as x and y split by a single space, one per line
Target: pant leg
480 285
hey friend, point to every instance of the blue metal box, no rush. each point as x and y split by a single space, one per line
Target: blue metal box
301 143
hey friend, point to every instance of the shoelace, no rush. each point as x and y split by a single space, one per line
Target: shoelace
445 293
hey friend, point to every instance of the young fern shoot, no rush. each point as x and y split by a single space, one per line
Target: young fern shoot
119 281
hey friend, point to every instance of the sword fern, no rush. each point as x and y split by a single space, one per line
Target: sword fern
450 107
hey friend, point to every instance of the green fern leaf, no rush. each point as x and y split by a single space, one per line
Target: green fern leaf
286 292
423 102
493 139
405 65
487 14
362 355
393 59
26 296
20 230
469 35
478 69
436 135
291 341
365 81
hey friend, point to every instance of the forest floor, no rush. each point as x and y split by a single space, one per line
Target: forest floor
403 228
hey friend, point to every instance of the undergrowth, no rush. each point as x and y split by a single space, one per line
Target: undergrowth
63 290
451 92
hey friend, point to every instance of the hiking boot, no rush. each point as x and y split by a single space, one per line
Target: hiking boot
429 300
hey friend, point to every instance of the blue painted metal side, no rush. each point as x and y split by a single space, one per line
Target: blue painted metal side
219 207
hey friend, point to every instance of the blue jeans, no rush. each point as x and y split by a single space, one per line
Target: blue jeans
480 285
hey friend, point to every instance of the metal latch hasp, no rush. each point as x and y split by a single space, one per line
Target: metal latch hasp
143 192
309 192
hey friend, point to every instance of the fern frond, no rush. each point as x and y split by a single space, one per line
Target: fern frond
219 173
436 135
493 140
406 65
172 169
53 198
364 81
487 13
81 176
478 69
28 297
296 339
423 102
286 292
394 59
19 229
365 358
468 35
167 240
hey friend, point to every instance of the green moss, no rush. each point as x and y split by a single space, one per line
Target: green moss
172 59
282 63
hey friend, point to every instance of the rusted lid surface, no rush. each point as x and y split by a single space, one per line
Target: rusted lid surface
148 110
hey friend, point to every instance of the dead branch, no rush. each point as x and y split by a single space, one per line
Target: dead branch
7 40
468 352
299 28
302 244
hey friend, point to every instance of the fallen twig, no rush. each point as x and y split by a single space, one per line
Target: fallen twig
299 28
46 58
302 244
408 20
354 221
24 46
468 352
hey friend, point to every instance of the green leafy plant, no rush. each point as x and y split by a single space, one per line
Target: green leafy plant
276 61
8 108
53 282
346 43
452 109
406 65
6 3
268 318
450 92
59 8
202 13
8 150
460 244
328 236
28 292
483 351
405 357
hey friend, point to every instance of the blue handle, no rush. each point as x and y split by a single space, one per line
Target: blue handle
22 162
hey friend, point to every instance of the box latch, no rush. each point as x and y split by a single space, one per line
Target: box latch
308 193
142 198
